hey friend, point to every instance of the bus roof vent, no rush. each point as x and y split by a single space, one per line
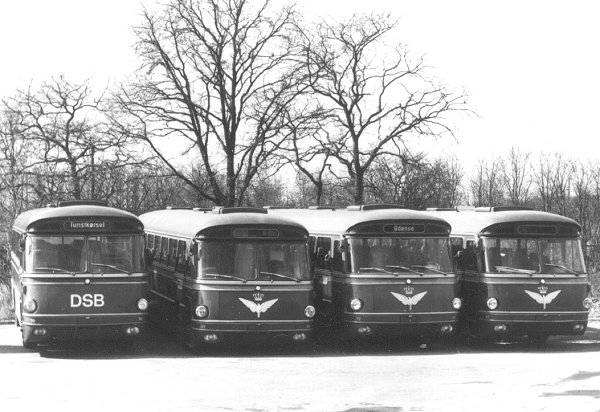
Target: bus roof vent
202 209
501 208
375 207
321 208
442 209
76 202
225 210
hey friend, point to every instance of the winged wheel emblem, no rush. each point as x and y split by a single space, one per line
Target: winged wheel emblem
258 308
409 301
543 299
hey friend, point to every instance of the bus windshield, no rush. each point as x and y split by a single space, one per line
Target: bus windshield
247 260
80 254
400 255
529 256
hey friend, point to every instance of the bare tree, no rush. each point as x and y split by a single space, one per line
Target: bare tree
216 79
376 95
516 177
63 122
486 185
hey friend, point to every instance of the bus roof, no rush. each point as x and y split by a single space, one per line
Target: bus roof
25 220
478 221
188 223
340 221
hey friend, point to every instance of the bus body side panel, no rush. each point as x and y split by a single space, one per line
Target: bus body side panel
265 309
165 287
418 306
76 306
527 306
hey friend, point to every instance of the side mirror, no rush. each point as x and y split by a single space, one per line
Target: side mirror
22 240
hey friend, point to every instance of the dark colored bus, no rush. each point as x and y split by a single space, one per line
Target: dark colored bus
521 272
380 270
78 271
229 273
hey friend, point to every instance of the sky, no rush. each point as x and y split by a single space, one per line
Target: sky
531 68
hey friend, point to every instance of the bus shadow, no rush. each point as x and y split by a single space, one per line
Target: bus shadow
157 345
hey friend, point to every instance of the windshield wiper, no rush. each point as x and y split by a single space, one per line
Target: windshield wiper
218 275
56 269
561 267
406 269
429 268
375 270
279 275
508 269
105 265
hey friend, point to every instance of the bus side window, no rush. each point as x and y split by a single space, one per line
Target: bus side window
323 248
150 241
182 257
156 250
164 250
311 252
456 245
338 263
469 260
172 253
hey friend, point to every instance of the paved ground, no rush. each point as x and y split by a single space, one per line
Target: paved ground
160 376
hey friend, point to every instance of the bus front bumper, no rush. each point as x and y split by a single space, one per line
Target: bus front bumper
51 328
416 324
529 323
218 331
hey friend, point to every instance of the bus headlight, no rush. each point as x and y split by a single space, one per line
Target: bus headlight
492 303
30 306
309 311
356 304
456 303
142 304
201 311
588 303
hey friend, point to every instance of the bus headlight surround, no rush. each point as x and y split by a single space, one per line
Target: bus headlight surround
588 303
309 311
492 303
456 303
201 311
30 306
142 304
356 304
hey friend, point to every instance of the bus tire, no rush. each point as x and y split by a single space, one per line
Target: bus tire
184 323
27 345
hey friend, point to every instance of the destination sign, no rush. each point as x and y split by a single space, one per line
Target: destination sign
404 228
86 225
537 230
255 233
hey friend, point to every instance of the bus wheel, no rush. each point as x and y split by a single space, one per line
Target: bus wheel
537 339
184 320
27 345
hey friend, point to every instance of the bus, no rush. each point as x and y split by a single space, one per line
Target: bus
78 272
522 273
229 274
380 270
